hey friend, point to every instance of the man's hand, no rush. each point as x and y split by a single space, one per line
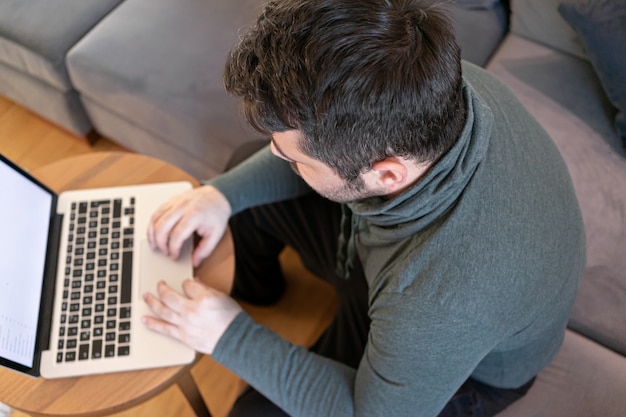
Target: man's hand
198 317
203 210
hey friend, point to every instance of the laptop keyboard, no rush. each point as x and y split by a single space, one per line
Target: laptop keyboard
96 312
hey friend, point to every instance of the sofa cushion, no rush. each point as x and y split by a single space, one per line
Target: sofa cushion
36 35
584 380
480 26
598 312
158 64
601 27
63 108
566 97
539 21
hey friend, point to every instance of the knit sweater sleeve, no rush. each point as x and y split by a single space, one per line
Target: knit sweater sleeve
261 179
412 364
300 382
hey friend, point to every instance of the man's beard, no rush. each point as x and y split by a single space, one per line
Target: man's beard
350 190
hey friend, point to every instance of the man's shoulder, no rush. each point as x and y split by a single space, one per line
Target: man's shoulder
486 85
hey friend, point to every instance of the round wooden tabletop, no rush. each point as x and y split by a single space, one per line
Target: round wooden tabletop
98 394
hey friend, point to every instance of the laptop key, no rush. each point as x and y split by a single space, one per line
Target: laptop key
125 312
117 208
99 203
109 351
126 284
96 349
83 352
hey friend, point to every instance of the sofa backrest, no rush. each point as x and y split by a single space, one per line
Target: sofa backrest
540 21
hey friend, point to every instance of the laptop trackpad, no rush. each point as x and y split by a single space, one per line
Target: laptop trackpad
155 267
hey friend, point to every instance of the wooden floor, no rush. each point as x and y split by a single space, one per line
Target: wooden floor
32 142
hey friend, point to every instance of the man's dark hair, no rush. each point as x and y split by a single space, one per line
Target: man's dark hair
361 79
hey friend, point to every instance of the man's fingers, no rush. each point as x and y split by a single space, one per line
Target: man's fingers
157 221
205 248
168 305
165 229
161 326
180 233
162 308
198 317
194 288
172 230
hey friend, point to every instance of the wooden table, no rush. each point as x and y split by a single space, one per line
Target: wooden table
303 313
100 394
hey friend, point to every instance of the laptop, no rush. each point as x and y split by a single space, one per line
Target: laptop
73 268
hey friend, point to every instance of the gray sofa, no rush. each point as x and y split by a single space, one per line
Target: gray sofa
35 37
555 72
150 78
147 74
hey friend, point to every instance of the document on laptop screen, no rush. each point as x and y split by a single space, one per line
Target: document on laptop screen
24 222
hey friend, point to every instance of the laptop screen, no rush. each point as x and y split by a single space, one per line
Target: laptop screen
24 221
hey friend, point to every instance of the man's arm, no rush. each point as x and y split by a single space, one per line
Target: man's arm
205 210
261 179
416 357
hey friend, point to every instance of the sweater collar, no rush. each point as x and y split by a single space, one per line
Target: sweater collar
436 192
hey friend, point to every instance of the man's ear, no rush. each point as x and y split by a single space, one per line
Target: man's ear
391 172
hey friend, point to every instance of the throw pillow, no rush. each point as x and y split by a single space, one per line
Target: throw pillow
601 27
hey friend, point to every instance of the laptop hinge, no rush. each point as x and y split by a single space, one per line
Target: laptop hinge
49 283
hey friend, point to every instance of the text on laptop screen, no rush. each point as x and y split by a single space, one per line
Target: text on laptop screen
24 222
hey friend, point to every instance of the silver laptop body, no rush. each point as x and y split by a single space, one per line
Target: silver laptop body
73 268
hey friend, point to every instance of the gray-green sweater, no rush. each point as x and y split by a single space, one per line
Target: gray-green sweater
471 272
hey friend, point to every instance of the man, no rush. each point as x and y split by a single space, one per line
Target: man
443 215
